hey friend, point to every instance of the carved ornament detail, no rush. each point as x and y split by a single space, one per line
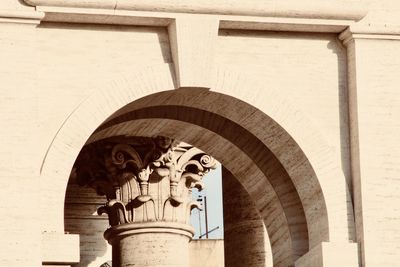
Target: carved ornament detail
144 179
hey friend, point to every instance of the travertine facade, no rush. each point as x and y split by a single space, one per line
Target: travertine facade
298 100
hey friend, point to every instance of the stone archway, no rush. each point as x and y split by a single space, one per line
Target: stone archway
261 174
296 194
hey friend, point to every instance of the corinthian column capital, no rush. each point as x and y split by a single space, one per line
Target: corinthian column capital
144 179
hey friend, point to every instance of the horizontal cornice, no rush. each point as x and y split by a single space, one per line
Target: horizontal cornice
25 17
336 10
163 19
378 32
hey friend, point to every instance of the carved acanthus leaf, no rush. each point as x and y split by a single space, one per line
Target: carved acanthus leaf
144 179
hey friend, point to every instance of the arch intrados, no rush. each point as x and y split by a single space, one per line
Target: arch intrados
253 132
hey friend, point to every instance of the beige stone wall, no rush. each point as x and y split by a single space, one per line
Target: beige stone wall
48 71
19 174
70 71
378 104
308 70
207 253
385 12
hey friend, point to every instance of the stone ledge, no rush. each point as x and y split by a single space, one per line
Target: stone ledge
24 17
379 32
60 248
343 10
163 19
274 15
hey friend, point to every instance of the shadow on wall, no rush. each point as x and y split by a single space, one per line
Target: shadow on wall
81 218
337 48
246 241
136 36
207 253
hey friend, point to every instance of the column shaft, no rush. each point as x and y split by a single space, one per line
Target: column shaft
151 250
246 241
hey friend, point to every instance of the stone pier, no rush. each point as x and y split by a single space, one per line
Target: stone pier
147 183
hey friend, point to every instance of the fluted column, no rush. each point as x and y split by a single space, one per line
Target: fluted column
147 183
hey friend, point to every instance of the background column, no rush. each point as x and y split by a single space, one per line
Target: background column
246 240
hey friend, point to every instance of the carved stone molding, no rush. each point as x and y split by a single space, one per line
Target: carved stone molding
275 15
21 17
338 9
144 179
369 32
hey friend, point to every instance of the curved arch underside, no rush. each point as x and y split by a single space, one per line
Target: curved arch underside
240 137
